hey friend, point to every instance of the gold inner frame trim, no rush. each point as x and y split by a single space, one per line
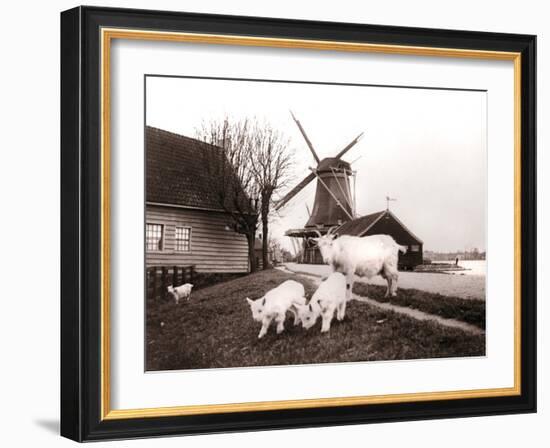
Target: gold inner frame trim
107 35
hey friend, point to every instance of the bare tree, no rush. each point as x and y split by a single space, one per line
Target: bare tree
229 165
252 162
271 166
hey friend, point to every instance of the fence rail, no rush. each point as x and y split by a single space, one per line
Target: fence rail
160 277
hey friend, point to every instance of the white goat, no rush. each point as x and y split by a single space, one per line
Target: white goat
275 304
180 292
329 297
365 256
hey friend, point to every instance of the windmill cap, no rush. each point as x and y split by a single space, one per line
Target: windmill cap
329 163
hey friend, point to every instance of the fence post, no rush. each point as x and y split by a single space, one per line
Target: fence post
163 282
191 270
147 281
183 276
154 272
175 276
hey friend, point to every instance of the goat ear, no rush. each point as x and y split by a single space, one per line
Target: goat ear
250 302
334 236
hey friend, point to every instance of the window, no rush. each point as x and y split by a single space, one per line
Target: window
415 248
183 239
154 237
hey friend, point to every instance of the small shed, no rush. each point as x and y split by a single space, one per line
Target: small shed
258 253
385 222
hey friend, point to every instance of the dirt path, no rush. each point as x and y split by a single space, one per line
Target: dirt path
415 314
470 287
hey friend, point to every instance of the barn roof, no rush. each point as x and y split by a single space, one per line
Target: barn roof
177 173
360 226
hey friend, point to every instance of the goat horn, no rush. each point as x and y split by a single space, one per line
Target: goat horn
331 230
318 233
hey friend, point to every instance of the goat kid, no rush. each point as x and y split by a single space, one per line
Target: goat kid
275 304
329 297
180 292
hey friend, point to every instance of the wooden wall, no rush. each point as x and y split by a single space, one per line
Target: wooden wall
389 226
213 248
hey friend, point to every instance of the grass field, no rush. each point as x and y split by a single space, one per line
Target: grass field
215 329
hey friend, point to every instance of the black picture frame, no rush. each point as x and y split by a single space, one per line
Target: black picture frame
81 224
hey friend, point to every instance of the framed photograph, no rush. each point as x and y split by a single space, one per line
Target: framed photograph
273 223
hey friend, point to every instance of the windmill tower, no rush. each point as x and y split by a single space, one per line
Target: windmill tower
334 201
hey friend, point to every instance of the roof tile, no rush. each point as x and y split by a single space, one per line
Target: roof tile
177 174
358 225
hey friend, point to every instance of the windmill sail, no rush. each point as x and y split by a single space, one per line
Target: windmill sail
309 144
294 191
351 145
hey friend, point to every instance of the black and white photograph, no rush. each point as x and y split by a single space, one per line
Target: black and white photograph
275 224
292 222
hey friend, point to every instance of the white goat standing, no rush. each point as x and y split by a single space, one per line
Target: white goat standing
275 304
329 297
180 292
365 256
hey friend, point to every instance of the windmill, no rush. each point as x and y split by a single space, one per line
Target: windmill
334 202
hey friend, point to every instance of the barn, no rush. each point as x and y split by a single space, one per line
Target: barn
385 222
185 224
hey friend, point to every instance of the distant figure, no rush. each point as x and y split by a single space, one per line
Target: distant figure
456 261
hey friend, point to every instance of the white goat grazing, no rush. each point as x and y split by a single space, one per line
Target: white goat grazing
180 292
365 256
329 297
275 304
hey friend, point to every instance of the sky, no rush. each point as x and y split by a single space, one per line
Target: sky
425 148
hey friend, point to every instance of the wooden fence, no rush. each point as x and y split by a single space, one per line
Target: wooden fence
160 277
